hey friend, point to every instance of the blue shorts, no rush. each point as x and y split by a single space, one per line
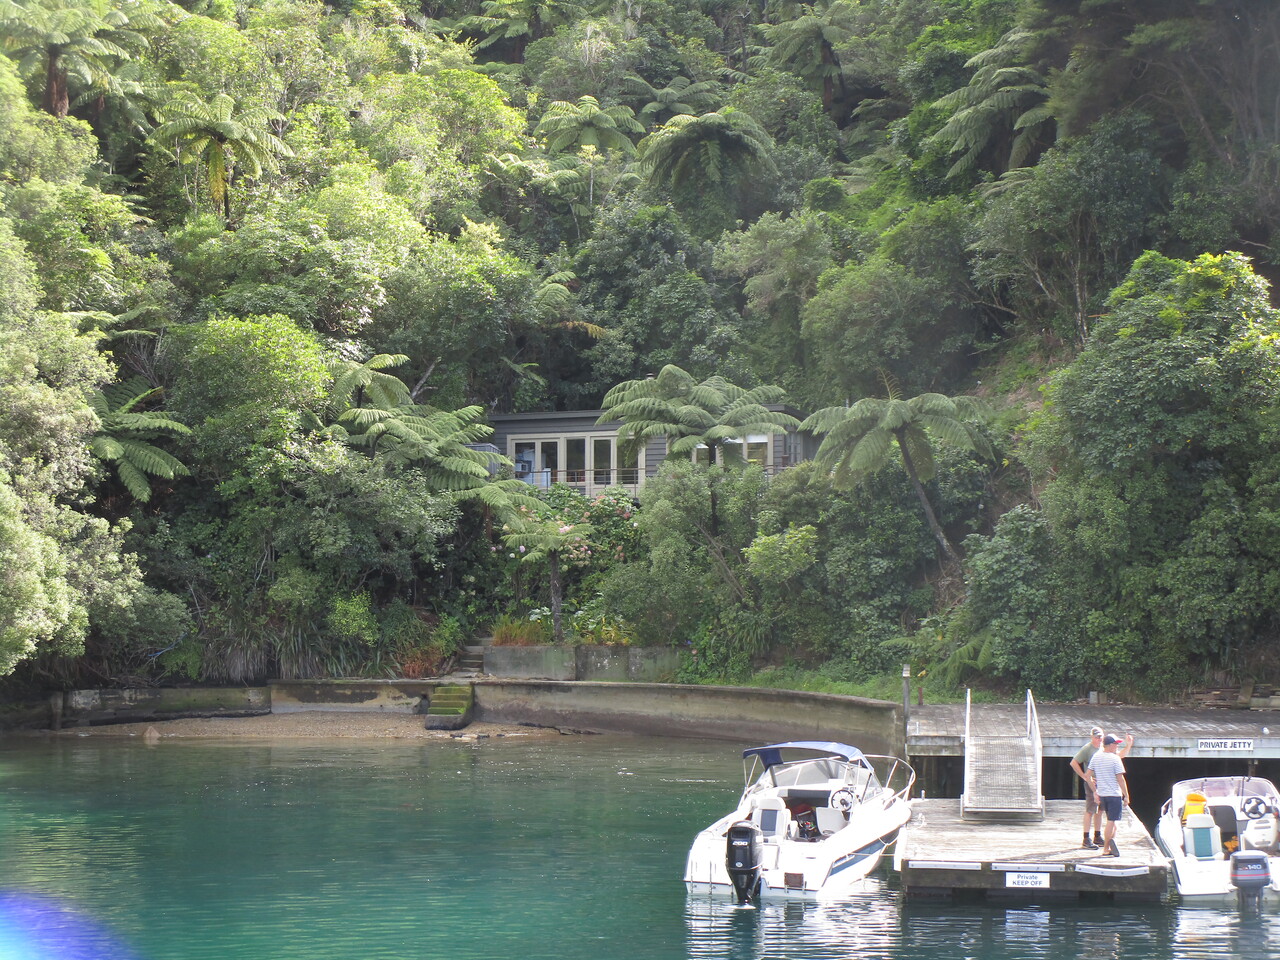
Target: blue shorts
1113 807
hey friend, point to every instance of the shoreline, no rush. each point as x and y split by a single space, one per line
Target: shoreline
311 724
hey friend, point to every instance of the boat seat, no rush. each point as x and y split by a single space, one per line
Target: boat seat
1195 804
829 821
1225 817
772 817
1202 838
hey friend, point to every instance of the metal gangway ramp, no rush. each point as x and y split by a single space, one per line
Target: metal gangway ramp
1002 768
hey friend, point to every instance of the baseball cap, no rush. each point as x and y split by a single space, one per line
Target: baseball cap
1109 739
1095 732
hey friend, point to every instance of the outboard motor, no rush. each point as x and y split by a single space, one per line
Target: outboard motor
1250 875
742 860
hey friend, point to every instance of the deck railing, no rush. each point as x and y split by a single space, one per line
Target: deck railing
593 480
630 478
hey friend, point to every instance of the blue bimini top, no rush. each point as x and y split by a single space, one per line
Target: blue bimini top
772 755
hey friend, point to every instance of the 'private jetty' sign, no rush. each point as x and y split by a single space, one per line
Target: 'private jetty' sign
1217 746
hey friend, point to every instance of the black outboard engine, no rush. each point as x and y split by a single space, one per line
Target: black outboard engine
1250 875
742 860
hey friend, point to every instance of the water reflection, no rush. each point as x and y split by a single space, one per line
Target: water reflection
867 925
879 923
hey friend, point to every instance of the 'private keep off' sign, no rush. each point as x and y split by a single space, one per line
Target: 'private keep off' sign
1026 880
1208 745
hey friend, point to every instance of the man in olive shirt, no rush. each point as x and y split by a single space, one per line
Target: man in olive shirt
1079 763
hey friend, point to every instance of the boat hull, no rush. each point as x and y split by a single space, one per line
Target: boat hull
1208 882
795 870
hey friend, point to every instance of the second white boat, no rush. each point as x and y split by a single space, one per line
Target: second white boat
1222 835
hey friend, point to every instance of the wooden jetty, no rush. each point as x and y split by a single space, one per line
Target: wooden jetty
1003 838
939 853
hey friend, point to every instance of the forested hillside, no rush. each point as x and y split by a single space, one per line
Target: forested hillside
267 266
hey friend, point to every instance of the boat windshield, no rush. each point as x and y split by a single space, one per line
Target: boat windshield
1235 788
766 767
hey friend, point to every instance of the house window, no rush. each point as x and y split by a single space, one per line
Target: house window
524 454
632 472
602 461
756 451
536 461
575 460
583 462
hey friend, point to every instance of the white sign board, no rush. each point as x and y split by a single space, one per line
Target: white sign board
1026 880
1208 745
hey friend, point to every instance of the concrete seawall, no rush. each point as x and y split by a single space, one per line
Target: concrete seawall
657 709
674 710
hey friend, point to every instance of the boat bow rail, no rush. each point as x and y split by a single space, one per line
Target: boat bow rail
1002 768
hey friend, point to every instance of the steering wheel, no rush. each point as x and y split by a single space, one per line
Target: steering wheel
1255 808
842 800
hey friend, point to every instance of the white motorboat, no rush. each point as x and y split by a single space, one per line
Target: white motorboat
1222 837
814 818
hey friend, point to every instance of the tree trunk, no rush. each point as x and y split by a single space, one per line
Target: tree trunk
711 482
56 99
557 624
828 85
934 526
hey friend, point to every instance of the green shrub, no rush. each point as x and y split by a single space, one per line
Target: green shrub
512 631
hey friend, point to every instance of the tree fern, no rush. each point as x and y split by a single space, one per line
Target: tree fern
125 435
859 439
1005 95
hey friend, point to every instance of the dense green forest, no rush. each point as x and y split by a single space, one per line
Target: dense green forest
267 266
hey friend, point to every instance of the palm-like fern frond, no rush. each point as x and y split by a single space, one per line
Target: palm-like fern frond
858 440
355 382
1005 94
570 126
125 435
713 413
215 134
710 149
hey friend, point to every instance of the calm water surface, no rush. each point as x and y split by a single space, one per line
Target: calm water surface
567 848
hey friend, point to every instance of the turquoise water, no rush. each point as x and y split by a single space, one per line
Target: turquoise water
354 850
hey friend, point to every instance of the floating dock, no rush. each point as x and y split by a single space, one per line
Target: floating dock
939 854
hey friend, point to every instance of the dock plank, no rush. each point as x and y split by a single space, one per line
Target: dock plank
939 852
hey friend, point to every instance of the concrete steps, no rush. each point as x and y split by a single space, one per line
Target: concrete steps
470 660
450 707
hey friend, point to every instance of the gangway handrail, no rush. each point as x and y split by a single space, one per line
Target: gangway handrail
1033 731
968 753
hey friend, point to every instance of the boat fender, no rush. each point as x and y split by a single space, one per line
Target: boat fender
842 800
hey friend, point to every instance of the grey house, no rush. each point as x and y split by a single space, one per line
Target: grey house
567 447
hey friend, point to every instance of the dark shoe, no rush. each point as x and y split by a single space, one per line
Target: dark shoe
1097 840
1089 844
1115 851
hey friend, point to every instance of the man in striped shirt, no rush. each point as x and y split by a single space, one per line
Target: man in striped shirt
1107 780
